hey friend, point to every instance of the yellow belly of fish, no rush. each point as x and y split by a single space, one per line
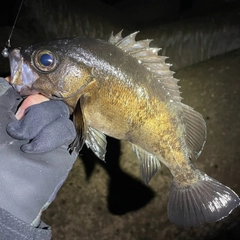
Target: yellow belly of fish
148 123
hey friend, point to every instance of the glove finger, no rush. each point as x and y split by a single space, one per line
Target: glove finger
29 101
57 133
36 118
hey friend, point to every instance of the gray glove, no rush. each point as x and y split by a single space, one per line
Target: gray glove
47 125
30 181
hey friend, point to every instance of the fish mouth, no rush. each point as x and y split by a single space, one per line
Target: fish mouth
26 91
15 60
22 75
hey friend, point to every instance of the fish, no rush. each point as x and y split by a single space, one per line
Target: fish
124 89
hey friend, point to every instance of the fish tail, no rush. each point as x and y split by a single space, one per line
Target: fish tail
207 200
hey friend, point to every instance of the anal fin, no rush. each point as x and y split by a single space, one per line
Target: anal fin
149 164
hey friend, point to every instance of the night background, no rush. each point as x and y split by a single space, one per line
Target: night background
202 40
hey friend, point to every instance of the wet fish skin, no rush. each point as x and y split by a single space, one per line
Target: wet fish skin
123 89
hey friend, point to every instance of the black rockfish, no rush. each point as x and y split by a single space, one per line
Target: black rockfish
124 89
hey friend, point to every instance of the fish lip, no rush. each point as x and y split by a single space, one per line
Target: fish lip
14 59
22 75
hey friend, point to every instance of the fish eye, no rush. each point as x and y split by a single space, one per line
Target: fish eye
44 60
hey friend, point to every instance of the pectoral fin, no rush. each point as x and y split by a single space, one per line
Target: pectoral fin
93 138
96 140
149 164
78 121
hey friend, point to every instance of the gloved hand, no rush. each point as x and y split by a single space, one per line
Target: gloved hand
47 125
30 181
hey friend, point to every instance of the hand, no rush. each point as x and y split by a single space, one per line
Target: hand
30 181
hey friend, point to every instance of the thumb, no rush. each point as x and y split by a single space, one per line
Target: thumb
29 101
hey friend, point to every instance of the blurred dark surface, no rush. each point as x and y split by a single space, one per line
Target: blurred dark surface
108 200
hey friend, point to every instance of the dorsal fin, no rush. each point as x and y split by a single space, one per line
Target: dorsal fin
195 130
149 58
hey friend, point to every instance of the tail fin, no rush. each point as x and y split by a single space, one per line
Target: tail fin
205 201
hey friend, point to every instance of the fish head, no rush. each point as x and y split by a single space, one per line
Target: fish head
49 68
